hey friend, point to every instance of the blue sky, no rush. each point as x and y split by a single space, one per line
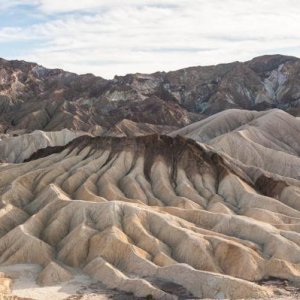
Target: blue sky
108 37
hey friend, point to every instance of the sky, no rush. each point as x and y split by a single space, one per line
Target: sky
116 37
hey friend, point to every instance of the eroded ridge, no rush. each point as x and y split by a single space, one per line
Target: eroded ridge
134 211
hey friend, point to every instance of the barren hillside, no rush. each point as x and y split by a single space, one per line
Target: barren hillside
136 212
35 98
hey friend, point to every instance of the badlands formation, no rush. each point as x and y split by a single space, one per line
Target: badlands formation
134 186
134 213
268 140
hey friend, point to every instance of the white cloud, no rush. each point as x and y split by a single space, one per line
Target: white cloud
58 6
4 4
118 37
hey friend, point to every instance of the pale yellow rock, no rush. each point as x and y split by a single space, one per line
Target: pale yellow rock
5 285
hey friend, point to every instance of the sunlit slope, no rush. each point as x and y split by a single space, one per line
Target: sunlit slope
268 140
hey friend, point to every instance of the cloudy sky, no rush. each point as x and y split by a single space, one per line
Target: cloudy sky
108 37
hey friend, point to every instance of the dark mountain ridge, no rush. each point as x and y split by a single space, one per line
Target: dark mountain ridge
33 97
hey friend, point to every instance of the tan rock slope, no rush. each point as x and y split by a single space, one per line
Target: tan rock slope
136 212
267 140
131 129
17 148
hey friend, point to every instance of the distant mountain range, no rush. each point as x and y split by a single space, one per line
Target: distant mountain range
33 97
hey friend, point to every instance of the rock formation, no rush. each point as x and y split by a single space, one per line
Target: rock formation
16 149
131 211
35 98
267 140
19 147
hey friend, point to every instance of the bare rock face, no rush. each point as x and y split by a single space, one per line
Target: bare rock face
5 285
53 274
266 140
130 129
19 147
131 212
36 98
15 149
